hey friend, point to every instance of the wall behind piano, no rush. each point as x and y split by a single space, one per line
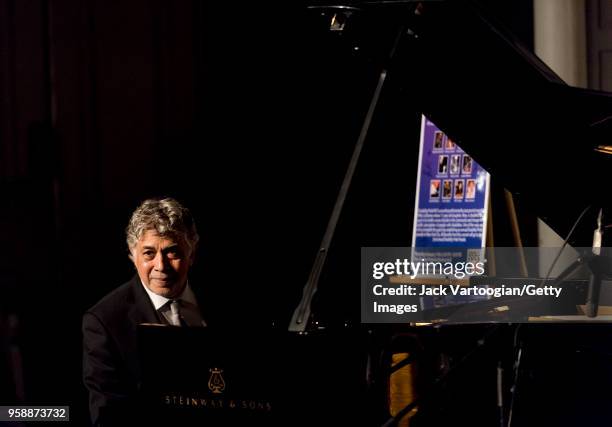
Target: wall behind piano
599 41
241 112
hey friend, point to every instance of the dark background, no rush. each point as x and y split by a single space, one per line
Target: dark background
245 112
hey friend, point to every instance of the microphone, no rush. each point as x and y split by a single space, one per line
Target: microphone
598 234
592 301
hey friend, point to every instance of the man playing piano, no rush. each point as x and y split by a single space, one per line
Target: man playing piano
162 238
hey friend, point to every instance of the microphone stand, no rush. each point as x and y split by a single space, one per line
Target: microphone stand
598 265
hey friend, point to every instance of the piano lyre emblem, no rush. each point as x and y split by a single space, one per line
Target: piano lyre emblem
216 383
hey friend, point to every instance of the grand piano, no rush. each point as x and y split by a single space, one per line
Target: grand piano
537 136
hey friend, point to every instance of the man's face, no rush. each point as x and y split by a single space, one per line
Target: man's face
162 263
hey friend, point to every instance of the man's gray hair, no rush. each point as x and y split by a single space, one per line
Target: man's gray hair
166 216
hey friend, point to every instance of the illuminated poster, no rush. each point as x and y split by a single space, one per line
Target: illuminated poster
452 194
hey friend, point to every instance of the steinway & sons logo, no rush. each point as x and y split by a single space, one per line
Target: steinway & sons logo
216 385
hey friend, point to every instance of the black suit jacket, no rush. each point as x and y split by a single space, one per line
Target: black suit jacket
110 355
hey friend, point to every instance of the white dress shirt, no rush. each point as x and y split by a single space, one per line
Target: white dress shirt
190 311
